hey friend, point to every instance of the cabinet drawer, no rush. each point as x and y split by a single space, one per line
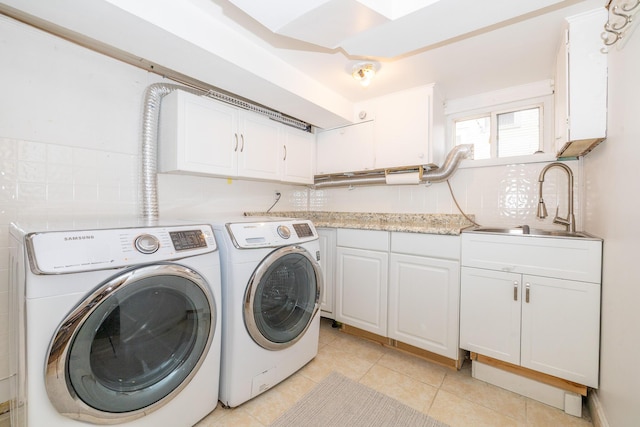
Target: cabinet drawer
363 239
429 245
571 259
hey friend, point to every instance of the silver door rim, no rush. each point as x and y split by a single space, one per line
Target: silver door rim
250 294
61 393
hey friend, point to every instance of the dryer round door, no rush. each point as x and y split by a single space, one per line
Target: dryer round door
282 297
131 345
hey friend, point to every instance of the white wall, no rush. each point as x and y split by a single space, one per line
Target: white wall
612 173
70 126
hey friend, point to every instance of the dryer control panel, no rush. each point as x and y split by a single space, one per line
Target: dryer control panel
57 252
272 233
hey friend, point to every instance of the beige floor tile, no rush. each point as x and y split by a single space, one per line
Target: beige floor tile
271 404
541 415
327 332
507 403
363 349
458 412
214 416
403 388
334 358
415 367
231 418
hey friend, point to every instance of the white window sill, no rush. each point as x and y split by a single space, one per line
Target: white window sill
534 158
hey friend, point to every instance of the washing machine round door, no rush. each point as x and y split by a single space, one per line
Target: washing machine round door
132 345
282 297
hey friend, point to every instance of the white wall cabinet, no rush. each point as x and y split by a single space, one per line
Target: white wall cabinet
405 128
424 291
549 322
327 240
345 149
299 156
362 259
409 127
581 81
201 136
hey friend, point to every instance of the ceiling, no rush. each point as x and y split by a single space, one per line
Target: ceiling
465 46
296 56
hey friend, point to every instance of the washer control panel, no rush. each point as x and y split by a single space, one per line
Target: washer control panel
271 233
57 252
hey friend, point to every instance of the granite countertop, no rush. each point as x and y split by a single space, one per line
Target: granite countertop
406 222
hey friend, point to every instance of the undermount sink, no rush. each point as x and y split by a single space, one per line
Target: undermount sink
533 232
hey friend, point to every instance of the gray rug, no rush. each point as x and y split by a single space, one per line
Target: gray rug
338 401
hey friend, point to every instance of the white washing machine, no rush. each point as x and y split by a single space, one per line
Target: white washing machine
115 326
271 290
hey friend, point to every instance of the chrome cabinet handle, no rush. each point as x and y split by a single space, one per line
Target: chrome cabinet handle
285 153
527 288
236 147
515 291
242 146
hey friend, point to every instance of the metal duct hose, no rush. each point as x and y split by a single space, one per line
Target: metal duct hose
152 100
450 165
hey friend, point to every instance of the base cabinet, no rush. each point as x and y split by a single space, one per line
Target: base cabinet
547 324
423 303
403 286
327 240
361 282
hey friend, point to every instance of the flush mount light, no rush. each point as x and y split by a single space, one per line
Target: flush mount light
364 72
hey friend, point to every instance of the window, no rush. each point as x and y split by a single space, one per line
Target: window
500 134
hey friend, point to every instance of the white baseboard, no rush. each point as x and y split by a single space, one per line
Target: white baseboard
595 408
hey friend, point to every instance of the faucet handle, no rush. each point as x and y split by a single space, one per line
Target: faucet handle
560 220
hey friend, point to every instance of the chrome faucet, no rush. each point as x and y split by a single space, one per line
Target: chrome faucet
570 220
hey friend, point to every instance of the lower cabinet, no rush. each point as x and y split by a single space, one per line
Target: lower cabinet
544 323
327 240
362 259
404 286
423 303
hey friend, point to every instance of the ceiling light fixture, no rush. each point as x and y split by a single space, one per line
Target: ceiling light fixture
364 73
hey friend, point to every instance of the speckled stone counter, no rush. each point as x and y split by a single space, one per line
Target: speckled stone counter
412 223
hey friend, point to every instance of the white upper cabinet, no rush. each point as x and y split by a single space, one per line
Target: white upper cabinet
409 127
298 156
401 129
201 136
259 151
197 135
345 149
581 83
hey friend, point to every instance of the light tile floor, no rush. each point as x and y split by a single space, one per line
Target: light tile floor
450 396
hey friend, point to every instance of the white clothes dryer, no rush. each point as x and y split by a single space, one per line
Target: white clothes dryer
271 293
115 326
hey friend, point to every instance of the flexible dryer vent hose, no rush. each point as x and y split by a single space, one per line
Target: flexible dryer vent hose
151 114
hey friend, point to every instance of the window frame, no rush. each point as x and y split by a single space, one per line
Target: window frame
547 144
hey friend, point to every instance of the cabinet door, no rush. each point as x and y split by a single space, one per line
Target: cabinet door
345 149
423 303
299 154
402 128
490 313
361 289
259 155
561 328
327 240
197 135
